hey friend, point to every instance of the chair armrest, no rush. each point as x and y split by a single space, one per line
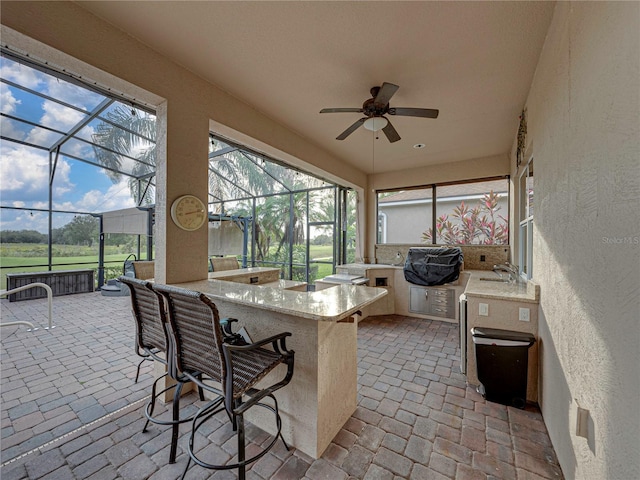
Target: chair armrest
278 342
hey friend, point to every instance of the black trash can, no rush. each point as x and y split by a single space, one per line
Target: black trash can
502 360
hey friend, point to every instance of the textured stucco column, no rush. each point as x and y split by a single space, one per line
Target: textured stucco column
182 169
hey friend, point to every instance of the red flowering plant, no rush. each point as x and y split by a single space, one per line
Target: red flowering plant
480 225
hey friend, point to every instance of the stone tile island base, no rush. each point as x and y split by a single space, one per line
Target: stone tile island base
322 394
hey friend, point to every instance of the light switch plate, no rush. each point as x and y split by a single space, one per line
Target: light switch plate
523 315
484 309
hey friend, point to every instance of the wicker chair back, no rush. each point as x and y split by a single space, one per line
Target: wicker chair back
149 317
144 270
197 334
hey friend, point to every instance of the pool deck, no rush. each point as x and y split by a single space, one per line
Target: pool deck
70 409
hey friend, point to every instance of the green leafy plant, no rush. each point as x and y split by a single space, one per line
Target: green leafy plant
480 225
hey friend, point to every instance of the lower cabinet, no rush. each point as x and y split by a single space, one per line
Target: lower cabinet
432 301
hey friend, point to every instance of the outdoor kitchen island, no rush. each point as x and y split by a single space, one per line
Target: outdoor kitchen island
322 394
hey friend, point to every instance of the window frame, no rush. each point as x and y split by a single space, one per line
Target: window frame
434 206
525 221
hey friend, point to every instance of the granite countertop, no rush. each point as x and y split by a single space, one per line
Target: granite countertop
361 268
329 305
243 272
521 291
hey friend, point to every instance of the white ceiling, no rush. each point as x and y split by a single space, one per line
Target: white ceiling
474 61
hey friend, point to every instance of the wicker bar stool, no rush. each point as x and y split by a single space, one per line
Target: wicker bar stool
153 344
199 347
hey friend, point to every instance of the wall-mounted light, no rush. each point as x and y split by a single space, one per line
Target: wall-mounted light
374 124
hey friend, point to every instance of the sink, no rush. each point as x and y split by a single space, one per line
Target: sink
493 279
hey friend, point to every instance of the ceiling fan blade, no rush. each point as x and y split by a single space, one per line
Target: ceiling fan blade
341 110
351 129
391 133
385 93
414 112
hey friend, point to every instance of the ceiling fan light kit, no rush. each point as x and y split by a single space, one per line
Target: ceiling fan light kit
375 124
375 108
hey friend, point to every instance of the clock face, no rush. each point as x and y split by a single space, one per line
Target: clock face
188 212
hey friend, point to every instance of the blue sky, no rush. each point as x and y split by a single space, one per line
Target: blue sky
24 170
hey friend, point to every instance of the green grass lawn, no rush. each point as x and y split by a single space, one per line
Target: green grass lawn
27 257
321 252
31 258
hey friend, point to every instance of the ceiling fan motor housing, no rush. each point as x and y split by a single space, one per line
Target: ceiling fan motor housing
372 109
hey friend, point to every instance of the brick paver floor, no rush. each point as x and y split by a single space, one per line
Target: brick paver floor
70 409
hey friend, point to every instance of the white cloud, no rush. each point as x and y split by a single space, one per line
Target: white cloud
24 220
72 94
25 174
116 197
20 74
62 184
7 101
59 117
55 116
23 169
9 130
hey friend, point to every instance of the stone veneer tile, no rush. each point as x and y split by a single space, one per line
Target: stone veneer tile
371 437
323 470
394 443
494 254
537 465
392 461
357 461
293 468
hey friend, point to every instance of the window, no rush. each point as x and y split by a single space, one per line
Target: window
69 153
404 215
525 246
299 223
470 213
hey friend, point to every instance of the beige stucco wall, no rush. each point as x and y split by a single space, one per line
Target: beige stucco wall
584 132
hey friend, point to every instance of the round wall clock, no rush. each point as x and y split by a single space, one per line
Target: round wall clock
189 212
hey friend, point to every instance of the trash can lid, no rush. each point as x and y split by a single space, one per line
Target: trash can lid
499 334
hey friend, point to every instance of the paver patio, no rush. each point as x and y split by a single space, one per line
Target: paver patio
70 409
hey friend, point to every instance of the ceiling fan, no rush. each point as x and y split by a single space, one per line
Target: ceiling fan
375 109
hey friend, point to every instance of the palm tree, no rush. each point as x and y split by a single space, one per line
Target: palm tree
239 174
281 209
124 134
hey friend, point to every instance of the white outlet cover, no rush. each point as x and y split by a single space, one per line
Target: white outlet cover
523 315
483 309
582 422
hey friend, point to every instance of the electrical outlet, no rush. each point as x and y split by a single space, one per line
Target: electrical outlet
582 422
484 309
483 258
523 315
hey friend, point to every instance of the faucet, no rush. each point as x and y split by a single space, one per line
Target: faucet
506 267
